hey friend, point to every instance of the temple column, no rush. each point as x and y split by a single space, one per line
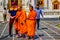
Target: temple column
50 5
19 2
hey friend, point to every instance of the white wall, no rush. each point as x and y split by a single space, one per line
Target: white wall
32 3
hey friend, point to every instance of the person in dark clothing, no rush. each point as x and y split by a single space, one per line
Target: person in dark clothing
12 13
39 12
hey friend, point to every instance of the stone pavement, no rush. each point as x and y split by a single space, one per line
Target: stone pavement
49 31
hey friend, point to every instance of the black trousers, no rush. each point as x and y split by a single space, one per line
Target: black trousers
10 26
37 21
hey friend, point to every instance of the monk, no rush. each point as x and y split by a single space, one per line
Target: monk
31 23
20 21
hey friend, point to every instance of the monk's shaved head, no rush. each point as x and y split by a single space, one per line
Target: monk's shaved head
20 7
31 6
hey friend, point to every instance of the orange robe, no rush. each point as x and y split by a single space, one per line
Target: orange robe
16 22
21 15
31 23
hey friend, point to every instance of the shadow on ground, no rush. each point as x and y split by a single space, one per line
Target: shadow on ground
35 37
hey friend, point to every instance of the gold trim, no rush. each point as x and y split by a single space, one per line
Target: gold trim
9 3
41 1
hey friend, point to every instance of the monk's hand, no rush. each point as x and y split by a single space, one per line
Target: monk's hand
22 23
16 20
24 20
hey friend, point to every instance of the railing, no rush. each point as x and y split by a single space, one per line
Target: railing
51 13
47 13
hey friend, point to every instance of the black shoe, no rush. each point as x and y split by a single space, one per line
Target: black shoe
39 28
23 36
30 37
18 36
